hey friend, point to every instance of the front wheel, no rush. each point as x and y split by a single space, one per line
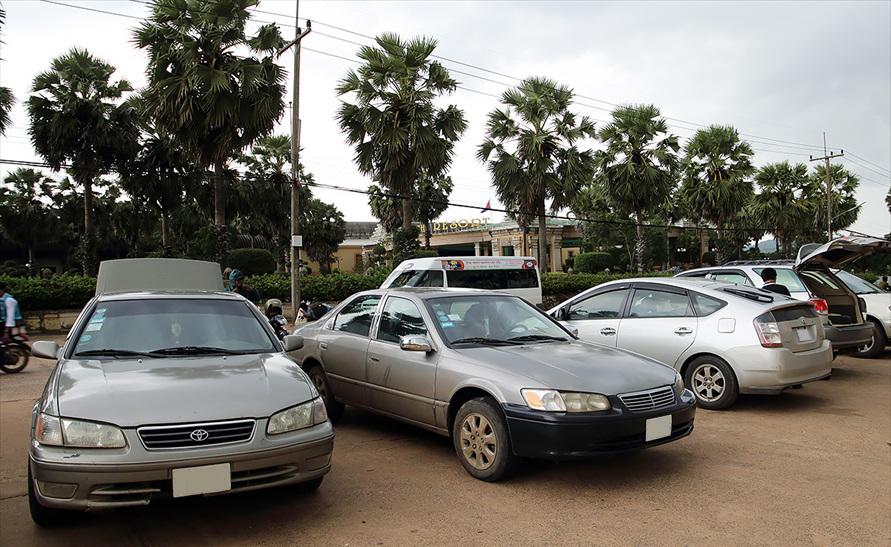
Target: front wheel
712 381
482 441
876 346
335 408
14 359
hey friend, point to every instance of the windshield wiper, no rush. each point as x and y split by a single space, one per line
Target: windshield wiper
116 353
537 338
195 350
483 340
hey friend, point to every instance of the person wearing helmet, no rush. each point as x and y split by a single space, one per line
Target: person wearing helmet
237 284
276 317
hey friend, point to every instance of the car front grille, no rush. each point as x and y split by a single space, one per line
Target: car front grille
195 435
652 399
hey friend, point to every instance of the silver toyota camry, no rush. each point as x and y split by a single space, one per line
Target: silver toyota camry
176 392
496 374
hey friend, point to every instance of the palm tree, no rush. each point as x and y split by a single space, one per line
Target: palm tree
393 123
532 151
431 200
26 220
639 166
77 117
212 100
783 203
717 171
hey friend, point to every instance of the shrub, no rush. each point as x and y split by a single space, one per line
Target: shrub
250 261
52 293
593 262
425 253
565 286
318 288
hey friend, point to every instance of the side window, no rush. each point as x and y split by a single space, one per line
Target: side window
402 279
788 278
429 278
400 318
356 316
706 305
732 277
606 305
694 274
656 303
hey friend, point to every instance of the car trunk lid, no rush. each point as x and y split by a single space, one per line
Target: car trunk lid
839 252
800 327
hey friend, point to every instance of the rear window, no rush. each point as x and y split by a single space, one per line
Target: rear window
418 278
706 305
787 278
493 279
823 280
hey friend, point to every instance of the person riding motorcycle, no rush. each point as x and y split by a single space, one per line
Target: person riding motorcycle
237 285
14 349
276 317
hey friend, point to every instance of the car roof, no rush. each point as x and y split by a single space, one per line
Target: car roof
429 261
150 295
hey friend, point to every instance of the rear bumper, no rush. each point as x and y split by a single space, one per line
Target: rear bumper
560 436
849 337
773 370
130 484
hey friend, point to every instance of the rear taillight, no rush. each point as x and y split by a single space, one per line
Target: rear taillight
820 305
768 331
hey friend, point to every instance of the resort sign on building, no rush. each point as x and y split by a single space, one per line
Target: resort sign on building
461 225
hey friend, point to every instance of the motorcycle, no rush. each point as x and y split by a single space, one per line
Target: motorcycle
279 326
309 311
14 353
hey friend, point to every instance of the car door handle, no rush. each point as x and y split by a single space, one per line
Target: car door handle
607 331
682 331
323 345
375 359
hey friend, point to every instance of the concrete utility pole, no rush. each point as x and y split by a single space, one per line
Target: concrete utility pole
296 242
826 157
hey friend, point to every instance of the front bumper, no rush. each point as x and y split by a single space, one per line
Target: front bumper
849 337
560 436
125 483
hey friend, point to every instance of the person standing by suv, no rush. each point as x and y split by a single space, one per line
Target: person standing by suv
769 275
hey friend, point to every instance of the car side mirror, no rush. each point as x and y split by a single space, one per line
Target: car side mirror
862 302
573 330
415 343
292 342
45 349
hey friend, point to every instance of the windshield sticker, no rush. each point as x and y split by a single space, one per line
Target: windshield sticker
93 327
98 316
447 324
454 317
86 338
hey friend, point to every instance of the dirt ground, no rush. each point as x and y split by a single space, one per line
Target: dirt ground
812 466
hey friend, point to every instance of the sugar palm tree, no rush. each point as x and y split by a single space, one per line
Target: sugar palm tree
639 166
397 130
202 91
533 154
782 203
77 117
717 173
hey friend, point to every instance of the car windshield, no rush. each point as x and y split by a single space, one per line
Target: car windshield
492 320
857 285
164 326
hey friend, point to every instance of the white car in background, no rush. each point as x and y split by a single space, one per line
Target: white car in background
878 311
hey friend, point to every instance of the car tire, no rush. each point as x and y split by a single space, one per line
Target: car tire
879 341
335 408
712 381
482 440
310 486
17 358
45 517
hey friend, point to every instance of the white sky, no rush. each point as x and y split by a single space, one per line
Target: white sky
776 71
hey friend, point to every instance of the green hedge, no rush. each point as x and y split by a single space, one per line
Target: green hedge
593 262
58 292
250 261
566 285
321 288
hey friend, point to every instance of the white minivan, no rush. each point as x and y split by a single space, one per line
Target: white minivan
517 275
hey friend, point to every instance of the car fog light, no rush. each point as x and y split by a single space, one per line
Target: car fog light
59 490
687 396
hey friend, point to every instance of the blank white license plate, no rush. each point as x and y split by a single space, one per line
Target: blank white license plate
207 479
658 428
804 334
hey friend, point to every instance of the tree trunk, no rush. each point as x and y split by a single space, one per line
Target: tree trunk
30 260
88 261
719 256
542 242
427 235
667 251
699 250
407 213
164 233
639 241
219 195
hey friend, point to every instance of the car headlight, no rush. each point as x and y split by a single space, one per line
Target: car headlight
551 400
53 431
678 383
297 417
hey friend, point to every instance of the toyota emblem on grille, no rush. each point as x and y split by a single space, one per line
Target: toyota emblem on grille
199 435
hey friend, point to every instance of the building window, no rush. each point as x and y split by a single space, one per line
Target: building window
507 250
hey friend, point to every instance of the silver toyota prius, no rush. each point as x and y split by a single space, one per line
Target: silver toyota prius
496 374
176 393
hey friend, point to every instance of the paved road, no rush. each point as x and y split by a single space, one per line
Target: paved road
812 466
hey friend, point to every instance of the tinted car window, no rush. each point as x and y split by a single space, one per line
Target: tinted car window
147 325
600 306
706 305
418 278
356 316
493 279
655 303
496 317
400 318
823 280
857 285
788 278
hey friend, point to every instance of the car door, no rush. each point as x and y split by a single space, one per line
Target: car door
597 315
658 322
401 382
343 348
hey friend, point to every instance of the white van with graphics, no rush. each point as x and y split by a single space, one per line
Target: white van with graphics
517 275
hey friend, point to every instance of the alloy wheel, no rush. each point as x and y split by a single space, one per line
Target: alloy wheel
708 382
479 444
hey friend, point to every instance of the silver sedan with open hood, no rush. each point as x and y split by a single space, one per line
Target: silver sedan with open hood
496 374
168 386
